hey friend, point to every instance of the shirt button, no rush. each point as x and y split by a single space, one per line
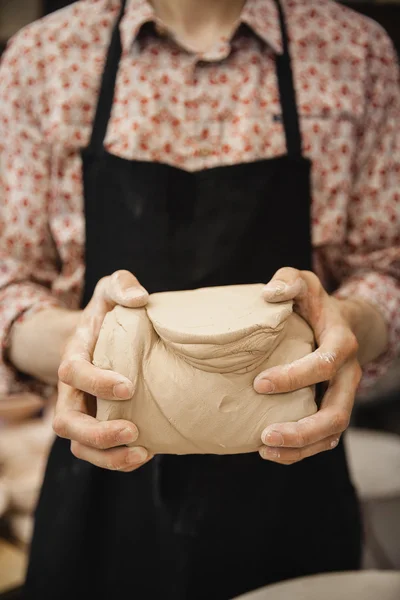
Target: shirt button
204 152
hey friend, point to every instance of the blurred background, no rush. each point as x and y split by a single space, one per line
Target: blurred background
373 439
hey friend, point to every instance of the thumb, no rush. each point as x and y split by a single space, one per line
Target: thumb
286 284
123 288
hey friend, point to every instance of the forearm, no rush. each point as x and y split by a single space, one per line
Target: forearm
37 342
368 326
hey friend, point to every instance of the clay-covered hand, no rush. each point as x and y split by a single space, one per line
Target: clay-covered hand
100 443
334 361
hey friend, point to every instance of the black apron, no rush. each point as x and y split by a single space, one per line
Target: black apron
192 527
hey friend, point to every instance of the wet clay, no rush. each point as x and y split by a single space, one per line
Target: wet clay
192 357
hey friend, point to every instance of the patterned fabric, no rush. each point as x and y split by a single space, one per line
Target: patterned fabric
196 112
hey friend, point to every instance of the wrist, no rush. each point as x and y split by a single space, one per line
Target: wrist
60 320
368 325
64 321
354 312
37 342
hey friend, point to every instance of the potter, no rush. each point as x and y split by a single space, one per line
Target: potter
195 154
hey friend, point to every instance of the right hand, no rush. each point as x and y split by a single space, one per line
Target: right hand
100 443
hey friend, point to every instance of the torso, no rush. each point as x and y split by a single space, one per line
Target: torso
212 514
223 111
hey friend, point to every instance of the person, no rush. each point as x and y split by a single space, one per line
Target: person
171 144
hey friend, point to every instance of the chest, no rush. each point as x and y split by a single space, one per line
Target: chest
172 108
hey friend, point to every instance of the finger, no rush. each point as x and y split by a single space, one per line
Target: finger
321 365
80 374
82 428
332 418
340 394
69 398
77 371
288 456
116 459
286 284
120 288
123 288
311 300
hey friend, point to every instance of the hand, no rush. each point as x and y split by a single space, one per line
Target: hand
334 361
100 443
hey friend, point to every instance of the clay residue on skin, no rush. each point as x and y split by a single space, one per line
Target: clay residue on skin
194 384
328 357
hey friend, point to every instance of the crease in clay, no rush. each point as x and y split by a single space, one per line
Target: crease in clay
117 318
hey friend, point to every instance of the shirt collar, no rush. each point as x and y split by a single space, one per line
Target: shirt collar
260 15
263 18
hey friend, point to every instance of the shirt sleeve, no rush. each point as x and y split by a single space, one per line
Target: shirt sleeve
368 265
28 259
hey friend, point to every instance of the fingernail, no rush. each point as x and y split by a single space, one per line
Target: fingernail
334 443
136 456
276 287
272 438
136 292
128 436
270 453
123 391
264 386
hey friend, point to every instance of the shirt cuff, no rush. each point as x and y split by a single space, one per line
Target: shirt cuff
383 292
17 301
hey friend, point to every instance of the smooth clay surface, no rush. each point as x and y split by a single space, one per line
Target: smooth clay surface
192 357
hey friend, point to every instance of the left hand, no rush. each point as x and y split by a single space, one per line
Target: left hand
334 361
101 443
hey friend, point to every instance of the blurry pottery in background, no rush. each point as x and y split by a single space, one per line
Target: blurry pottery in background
25 440
367 585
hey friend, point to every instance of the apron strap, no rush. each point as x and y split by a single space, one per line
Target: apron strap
285 82
107 88
287 91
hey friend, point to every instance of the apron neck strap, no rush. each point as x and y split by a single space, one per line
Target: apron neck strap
107 88
285 78
287 91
